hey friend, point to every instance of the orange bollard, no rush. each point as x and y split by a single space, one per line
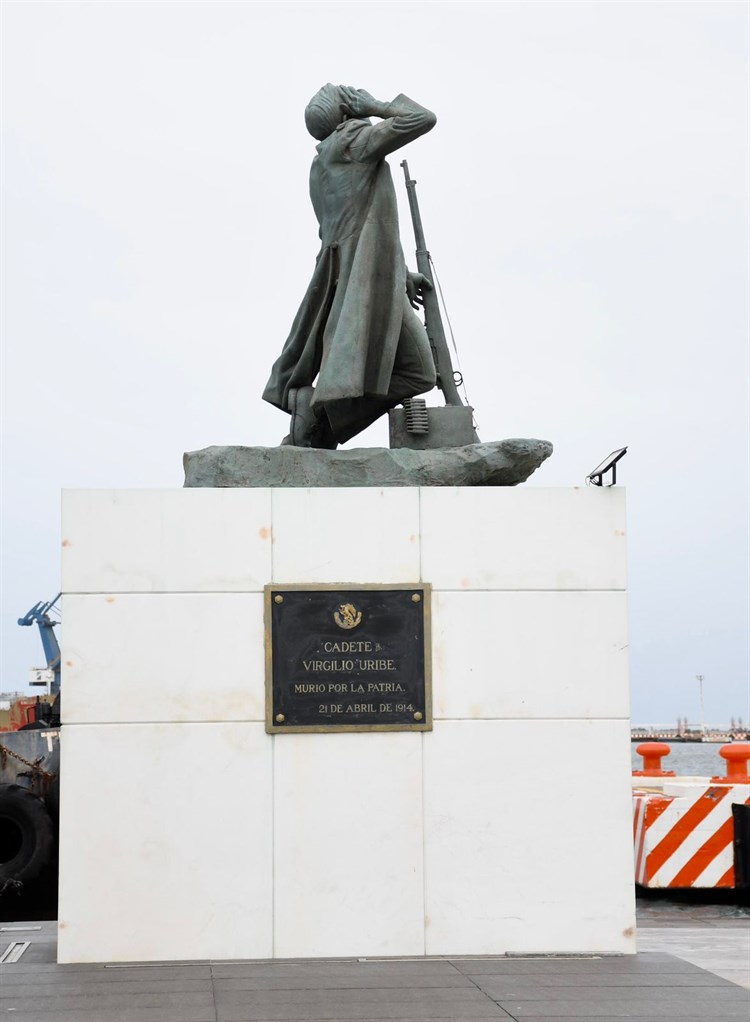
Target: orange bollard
653 753
737 754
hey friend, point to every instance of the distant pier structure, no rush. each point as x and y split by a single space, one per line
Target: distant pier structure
735 731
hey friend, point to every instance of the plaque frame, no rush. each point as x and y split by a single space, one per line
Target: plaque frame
425 588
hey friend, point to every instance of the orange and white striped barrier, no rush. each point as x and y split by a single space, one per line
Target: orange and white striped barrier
683 833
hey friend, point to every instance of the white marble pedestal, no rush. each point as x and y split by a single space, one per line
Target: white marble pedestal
189 833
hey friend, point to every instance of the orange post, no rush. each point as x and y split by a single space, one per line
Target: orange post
737 754
653 753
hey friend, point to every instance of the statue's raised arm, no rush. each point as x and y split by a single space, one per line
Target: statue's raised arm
403 120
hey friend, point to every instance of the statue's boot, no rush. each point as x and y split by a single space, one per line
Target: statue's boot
303 417
308 428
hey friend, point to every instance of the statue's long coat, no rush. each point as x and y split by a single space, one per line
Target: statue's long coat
348 325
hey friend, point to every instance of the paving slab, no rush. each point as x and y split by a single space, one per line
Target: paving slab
631 965
615 1000
106 997
9 988
525 987
327 1000
377 981
119 1015
431 1012
396 973
551 1010
21 972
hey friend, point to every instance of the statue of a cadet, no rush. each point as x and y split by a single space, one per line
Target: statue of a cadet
356 330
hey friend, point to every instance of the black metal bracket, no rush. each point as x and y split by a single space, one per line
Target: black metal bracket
609 464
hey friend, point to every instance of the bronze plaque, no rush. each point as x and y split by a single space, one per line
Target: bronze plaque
348 658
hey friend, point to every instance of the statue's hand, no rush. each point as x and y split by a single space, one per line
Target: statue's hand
360 103
416 284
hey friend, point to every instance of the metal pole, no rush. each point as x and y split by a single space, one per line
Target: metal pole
700 678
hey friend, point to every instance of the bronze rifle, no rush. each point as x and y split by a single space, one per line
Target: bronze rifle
433 321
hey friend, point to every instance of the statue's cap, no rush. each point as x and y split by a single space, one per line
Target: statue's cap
323 112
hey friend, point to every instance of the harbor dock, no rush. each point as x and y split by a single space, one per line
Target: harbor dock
693 963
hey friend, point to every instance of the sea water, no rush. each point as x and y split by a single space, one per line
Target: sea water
693 759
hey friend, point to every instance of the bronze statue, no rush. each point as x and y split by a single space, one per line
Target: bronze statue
356 330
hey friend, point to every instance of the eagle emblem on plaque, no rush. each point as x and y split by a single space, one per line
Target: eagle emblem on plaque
347 616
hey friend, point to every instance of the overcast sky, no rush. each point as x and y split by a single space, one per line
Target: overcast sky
584 196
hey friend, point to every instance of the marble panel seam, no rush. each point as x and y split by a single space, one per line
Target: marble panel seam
525 720
260 721
273 534
240 592
514 589
419 526
424 844
161 592
164 722
541 720
273 842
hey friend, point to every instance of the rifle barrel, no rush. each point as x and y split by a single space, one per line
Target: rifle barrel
433 321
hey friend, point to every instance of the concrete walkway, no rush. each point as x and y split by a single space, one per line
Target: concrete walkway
724 952
644 988
714 936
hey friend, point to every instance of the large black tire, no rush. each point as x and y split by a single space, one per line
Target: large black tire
26 834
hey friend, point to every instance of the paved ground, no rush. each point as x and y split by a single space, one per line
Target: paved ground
723 952
645 988
707 909
714 936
